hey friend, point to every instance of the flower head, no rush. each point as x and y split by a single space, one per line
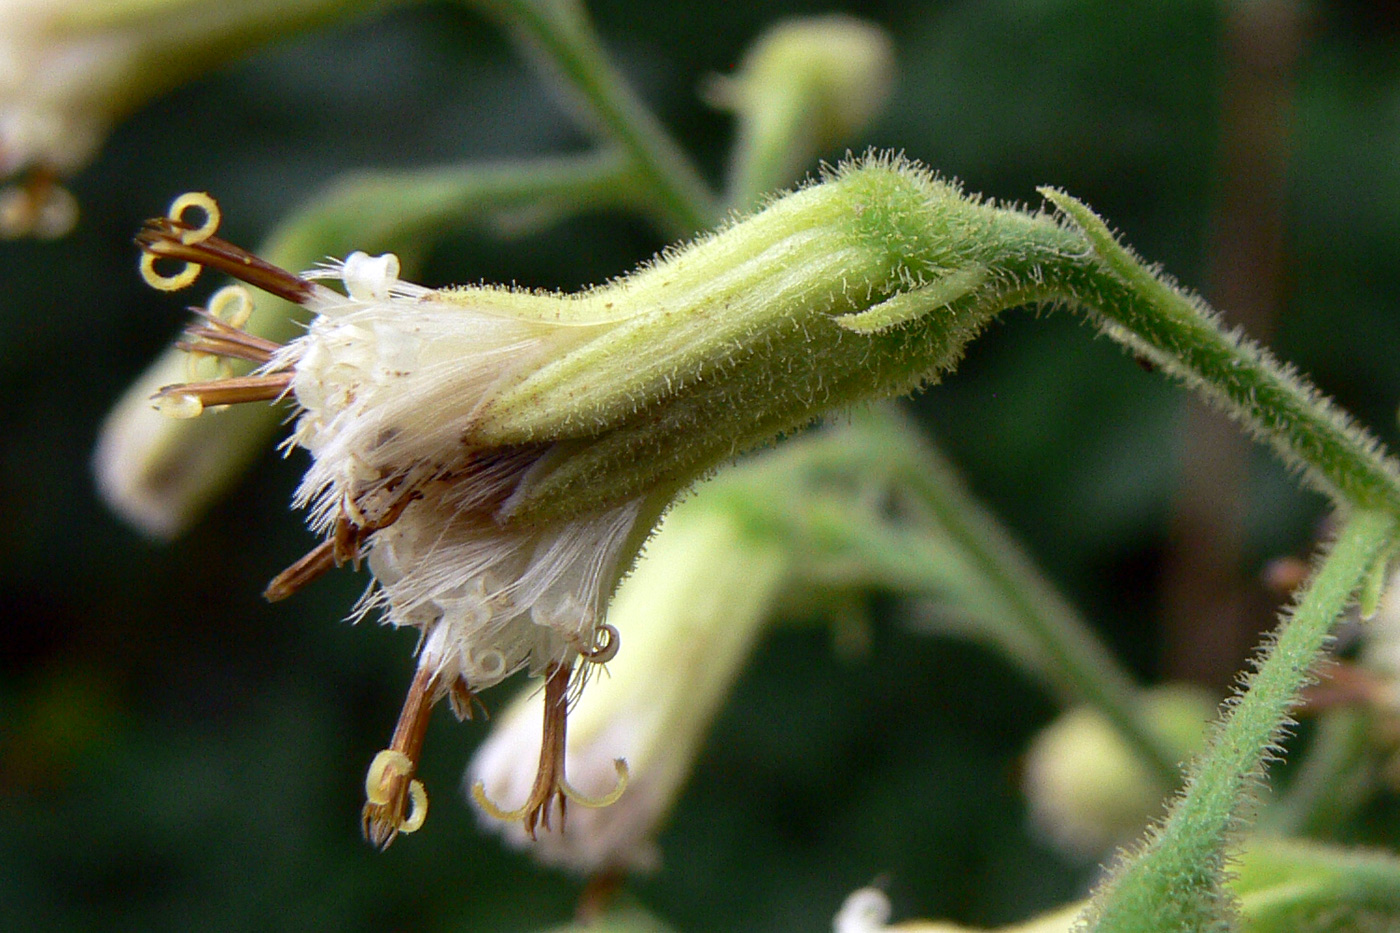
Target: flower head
497 456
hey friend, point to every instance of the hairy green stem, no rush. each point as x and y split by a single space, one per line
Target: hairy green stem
1182 336
562 34
1175 883
1027 258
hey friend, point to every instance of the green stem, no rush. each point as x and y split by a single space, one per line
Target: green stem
1175 883
948 547
1182 336
561 32
1025 258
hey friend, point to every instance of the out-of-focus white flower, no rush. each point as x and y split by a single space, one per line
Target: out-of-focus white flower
71 69
692 609
866 910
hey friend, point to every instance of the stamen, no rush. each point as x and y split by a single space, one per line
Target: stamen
236 344
200 201
180 229
231 305
386 766
167 283
224 336
379 768
606 642
606 800
231 391
464 701
396 801
172 238
550 783
343 545
317 562
180 407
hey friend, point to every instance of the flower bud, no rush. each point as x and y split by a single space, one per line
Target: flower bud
1087 790
159 473
868 911
71 69
808 85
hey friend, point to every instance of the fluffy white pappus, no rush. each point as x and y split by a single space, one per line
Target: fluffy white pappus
492 601
389 377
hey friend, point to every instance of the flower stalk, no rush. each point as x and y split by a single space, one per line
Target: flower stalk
1180 334
1177 881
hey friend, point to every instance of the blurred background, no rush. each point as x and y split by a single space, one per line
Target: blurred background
176 754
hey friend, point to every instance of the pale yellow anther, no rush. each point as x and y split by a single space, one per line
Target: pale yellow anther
562 787
606 643
232 304
168 283
608 799
386 761
200 201
418 808
181 406
495 812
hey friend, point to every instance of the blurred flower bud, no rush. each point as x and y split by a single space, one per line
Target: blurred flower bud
807 86
159 473
1086 789
71 69
868 911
